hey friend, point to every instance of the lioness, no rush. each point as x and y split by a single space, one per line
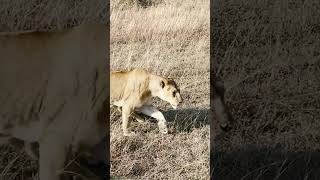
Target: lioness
133 90
54 91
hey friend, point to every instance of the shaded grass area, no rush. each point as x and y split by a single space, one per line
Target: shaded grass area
267 53
251 162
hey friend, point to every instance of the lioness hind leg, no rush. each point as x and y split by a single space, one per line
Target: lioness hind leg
52 158
126 111
149 110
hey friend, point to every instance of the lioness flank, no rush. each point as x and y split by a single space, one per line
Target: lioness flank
133 91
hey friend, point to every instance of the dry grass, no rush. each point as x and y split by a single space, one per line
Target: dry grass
21 15
267 53
168 38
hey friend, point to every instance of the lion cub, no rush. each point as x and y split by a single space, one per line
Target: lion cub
133 91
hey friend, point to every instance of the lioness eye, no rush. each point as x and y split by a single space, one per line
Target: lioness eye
174 93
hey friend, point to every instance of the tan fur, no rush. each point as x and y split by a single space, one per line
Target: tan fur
133 90
53 91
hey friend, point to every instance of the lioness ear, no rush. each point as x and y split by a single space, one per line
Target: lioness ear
162 84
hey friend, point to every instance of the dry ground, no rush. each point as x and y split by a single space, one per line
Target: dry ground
168 38
268 54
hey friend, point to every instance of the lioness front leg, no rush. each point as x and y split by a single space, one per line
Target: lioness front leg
51 160
126 111
149 110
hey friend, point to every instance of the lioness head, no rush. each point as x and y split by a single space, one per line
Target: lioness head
170 92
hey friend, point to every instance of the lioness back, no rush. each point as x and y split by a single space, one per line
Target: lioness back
117 84
128 83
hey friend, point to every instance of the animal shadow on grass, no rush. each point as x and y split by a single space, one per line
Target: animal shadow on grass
254 163
182 120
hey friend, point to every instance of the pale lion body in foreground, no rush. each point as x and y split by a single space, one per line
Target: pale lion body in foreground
133 90
54 91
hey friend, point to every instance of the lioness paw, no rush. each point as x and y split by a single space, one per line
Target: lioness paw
163 130
163 127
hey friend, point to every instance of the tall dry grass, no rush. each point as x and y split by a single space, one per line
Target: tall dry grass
168 38
53 15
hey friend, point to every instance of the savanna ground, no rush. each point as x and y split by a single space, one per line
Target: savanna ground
52 15
167 38
268 55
